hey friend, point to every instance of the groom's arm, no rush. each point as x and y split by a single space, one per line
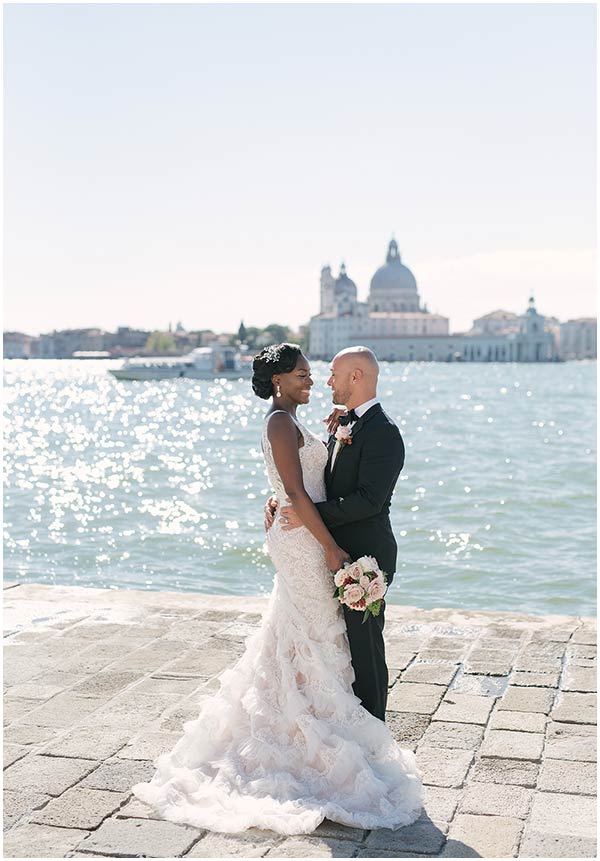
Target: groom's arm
382 458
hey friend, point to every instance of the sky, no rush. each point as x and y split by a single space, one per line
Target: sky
201 163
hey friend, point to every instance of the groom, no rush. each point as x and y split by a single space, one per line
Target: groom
360 478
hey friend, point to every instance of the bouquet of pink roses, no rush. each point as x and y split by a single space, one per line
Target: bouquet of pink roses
361 585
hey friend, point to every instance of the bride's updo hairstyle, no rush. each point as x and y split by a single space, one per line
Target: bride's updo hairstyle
276 359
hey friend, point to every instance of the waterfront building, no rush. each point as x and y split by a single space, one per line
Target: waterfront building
578 338
398 327
17 345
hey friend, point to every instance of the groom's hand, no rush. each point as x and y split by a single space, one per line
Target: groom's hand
270 510
289 517
333 419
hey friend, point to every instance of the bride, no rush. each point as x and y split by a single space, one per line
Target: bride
285 743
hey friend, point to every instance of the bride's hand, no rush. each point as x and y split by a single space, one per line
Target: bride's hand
335 557
333 419
270 509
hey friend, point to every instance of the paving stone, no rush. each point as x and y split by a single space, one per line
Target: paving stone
48 774
539 680
249 844
574 708
493 657
484 686
579 679
564 815
28 734
209 660
63 710
434 674
518 699
586 634
124 711
558 775
473 836
441 802
520 721
98 742
149 745
492 799
483 668
466 736
400 659
80 808
13 752
311 847
413 697
136 809
581 655
157 654
163 684
18 802
541 845
105 684
35 691
441 767
507 744
575 742
132 838
513 771
424 836
41 841
559 635
464 708
15 709
327 828
174 718
407 729
545 651
119 775
502 644
528 664
441 655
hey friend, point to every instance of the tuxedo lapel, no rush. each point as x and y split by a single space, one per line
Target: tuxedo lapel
362 421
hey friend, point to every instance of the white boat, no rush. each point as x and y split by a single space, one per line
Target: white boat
203 363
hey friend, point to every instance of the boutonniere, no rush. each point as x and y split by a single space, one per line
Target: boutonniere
343 435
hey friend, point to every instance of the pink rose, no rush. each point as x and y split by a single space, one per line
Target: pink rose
340 577
353 594
354 570
343 433
376 590
369 563
365 582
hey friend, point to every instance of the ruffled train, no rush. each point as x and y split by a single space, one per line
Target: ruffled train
285 743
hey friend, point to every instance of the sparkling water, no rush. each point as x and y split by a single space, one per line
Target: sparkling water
161 485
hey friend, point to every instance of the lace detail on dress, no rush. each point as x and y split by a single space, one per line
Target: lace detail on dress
285 743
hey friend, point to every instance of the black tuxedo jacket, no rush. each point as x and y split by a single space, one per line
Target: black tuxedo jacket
360 486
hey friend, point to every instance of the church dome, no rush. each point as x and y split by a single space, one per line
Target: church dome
344 284
393 275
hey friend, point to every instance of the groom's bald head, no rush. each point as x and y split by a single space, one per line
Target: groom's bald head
354 373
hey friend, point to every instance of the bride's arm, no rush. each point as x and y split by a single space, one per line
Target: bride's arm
282 434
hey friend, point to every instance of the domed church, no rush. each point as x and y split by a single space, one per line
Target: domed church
395 326
391 313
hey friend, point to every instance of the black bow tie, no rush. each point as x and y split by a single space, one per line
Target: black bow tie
348 418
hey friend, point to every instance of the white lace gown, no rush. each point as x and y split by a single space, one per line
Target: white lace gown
284 743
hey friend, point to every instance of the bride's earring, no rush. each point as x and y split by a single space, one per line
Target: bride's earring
278 392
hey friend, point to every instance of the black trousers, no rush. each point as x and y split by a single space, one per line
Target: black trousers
367 649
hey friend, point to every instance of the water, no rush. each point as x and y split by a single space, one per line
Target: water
161 485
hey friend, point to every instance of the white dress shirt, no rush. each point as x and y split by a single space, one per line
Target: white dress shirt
360 411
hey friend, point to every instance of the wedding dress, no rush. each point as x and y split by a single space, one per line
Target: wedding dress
284 743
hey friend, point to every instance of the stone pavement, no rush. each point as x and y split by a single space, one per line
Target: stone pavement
499 707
